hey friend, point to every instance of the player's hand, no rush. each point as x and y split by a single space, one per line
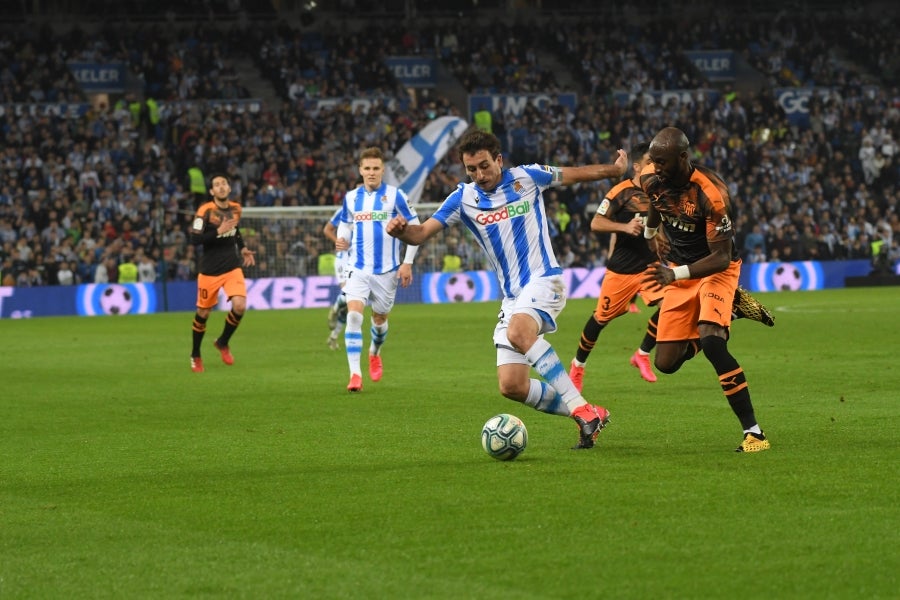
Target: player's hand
622 161
396 226
227 225
404 274
249 259
660 246
658 276
635 227
340 244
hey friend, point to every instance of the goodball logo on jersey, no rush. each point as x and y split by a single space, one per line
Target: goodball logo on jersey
510 211
375 215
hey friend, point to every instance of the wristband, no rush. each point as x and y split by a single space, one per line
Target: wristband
650 232
682 272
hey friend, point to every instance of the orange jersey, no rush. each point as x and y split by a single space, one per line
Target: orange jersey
694 215
221 253
621 204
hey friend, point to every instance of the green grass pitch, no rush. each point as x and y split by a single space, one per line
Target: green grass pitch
124 475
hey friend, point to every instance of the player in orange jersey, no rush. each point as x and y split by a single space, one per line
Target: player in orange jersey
215 227
692 205
623 212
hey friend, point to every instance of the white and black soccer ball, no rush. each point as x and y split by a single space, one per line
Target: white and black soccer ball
460 288
116 300
504 437
786 277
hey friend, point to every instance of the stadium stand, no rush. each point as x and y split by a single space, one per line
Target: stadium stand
88 179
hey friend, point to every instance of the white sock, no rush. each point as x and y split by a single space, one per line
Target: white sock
353 341
379 333
545 361
755 429
544 398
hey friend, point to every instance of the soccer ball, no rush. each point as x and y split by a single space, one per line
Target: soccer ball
786 277
116 300
460 288
504 437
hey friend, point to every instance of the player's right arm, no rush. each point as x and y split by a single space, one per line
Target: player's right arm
655 235
203 231
601 224
411 234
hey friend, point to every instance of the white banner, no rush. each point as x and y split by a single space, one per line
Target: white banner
415 160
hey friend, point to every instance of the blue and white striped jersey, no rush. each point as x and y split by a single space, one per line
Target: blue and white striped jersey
510 224
367 213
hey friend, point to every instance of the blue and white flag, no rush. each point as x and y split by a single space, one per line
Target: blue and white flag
415 160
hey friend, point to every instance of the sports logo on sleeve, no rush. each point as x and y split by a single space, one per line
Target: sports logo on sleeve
604 207
724 226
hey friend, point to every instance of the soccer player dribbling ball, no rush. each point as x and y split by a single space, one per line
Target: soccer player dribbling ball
504 209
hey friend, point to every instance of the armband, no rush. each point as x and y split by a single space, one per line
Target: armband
650 232
682 272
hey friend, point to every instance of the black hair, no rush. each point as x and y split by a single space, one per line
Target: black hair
218 174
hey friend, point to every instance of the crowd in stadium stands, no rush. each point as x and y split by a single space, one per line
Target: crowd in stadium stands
81 197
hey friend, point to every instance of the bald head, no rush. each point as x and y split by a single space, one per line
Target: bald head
671 139
670 158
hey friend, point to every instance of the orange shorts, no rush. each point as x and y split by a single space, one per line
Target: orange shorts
616 292
689 302
208 287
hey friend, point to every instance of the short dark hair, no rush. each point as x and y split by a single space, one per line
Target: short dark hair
218 174
639 150
476 140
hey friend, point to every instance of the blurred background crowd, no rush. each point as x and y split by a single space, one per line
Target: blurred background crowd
235 88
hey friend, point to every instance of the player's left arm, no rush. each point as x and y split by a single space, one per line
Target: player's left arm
717 261
404 273
246 253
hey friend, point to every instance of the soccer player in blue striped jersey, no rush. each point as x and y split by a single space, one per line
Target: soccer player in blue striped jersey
373 267
504 210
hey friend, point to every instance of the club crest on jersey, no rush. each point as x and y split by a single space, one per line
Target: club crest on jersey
510 211
687 207
517 187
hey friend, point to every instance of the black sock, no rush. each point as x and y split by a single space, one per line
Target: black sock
199 328
589 336
731 378
649 341
231 323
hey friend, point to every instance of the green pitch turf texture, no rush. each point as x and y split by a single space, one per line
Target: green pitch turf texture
125 475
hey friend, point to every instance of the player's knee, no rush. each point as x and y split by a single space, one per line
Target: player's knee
714 348
669 358
514 390
354 319
665 366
